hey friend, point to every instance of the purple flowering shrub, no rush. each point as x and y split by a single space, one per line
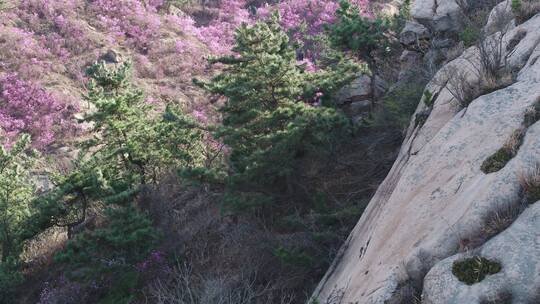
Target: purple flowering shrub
63 291
219 34
27 107
21 52
133 20
43 41
56 25
305 20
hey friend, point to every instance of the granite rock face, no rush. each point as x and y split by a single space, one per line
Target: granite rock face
517 249
413 33
439 15
358 90
432 207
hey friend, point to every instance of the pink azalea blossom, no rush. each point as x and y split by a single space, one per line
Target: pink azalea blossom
26 107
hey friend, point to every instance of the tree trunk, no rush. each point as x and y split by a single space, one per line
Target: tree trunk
372 87
6 247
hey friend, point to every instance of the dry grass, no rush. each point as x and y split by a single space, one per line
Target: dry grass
515 140
532 114
502 297
185 287
527 10
500 219
229 258
530 184
335 297
460 86
466 87
40 250
492 84
489 70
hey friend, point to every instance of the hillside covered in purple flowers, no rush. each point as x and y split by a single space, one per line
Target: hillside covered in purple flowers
191 151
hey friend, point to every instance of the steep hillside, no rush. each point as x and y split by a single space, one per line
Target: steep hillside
49 44
221 151
456 219
190 151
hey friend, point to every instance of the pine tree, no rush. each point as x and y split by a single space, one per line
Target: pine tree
354 32
16 193
123 133
132 145
268 122
133 142
67 204
364 37
127 238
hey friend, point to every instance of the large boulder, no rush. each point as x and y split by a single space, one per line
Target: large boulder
413 34
432 206
440 15
358 90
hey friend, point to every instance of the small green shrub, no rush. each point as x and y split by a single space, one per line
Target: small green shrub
398 106
126 240
525 9
10 278
499 159
533 194
475 269
516 5
421 118
295 257
469 35
123 289
428 98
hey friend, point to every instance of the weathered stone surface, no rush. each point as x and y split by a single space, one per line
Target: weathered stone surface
386 7
359 107
412 33
380 87
358 90
517 249
436 198
410 61
443 21
111 56
500 16
441 15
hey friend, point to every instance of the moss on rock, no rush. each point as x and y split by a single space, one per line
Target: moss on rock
475 269
497 161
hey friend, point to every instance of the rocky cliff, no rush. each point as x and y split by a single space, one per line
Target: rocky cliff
455 220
